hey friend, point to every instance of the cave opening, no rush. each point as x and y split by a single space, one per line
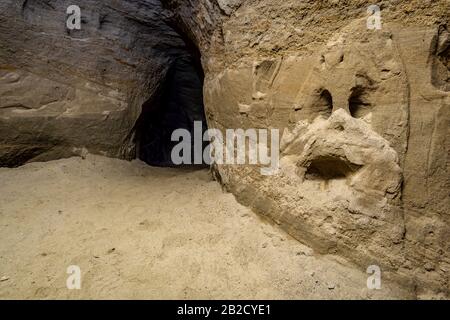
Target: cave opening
177 104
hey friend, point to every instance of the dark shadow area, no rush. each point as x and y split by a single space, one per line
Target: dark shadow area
177 104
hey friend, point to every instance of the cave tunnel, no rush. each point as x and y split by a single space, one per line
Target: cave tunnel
176 105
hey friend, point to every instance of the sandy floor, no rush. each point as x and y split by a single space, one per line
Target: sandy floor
145 233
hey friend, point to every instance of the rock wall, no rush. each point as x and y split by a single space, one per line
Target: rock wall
364 113
364 155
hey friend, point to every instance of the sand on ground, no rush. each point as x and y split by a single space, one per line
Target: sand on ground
138 232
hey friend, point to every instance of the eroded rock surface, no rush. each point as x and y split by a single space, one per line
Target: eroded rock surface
364 168
364 113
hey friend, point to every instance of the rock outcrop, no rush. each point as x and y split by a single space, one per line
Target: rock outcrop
364 113
63 90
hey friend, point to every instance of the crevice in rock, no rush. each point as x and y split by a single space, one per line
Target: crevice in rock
16 156
358 104
177 104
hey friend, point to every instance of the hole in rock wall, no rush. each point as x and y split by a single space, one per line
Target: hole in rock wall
329 167
325 104
176 105
440 70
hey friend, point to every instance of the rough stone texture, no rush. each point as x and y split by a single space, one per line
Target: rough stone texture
65 90
364 113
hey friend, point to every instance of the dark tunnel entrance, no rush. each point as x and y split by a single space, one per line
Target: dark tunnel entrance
176 105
